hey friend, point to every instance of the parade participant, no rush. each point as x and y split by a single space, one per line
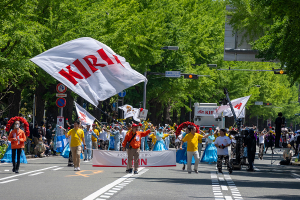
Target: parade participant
17 138
159 145
279 122
270 141
95 139
167 138
88 134
132 141
49 134
287 155
153 140
181 154
210 152
261 142
77 136
116 132
39 149
250 143
102 138
192 140
222 143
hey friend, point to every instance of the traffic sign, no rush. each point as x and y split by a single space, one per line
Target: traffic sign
173 74
61 102
61 88
259 103
122 94
61 95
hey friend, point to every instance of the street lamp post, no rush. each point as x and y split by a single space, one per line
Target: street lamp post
175 48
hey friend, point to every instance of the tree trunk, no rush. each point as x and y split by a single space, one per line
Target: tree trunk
40 103
166 114
97 113
14 101
182 114
51 108
69 108
175 116
155 112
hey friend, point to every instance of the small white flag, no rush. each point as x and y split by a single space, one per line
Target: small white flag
84 116
238 106
129 111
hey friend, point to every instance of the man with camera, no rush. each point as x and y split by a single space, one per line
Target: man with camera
132 142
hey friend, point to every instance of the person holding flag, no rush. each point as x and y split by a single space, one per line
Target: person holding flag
132 142
88 134
77 136
116 132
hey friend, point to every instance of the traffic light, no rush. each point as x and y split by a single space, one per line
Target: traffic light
190 76
277 71
267 104
223 101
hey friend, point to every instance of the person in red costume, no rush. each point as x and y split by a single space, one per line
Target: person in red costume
17 138
132 141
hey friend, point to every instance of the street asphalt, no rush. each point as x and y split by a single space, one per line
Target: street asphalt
50 178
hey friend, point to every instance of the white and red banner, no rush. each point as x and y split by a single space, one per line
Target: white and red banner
89 68
84 116
129 111
146 159
204 112
238 106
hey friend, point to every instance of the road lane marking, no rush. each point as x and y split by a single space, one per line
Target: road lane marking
104 196
81 173
27 173
6 170
108 193
8 181
36 174
111 186
57 168
234 191
112 191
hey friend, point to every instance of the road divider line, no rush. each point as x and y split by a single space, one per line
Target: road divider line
111 186
57 168
26 173
36 174
8 181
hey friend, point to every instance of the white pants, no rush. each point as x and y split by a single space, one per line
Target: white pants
190 155
199 150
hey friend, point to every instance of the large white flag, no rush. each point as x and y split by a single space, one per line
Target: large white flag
84 116
238 106
89 68
129 111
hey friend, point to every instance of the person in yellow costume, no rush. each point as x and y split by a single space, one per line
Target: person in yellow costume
94 139
153 137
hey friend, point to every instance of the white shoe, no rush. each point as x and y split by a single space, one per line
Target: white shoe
78 168
75 169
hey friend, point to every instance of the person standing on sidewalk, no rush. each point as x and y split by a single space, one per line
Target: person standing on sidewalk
77 136
132 141
192 140
17 138
222 143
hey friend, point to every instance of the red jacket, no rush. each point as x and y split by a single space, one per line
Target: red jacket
22 137
136 142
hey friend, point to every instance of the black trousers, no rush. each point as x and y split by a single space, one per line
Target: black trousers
251 156
14 151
